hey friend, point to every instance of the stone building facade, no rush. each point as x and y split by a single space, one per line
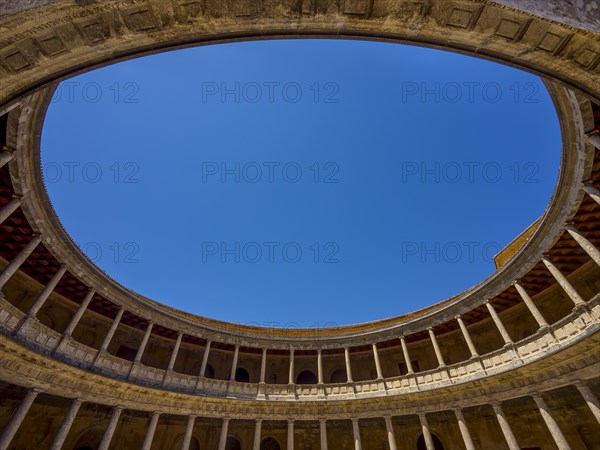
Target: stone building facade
512 363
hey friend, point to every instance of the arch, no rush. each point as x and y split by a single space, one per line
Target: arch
437 443
270 443
242 375
209 372
306 377
233 444
338 376
89 439
194 443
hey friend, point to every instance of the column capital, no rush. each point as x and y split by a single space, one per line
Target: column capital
495 404
546 257
322 420
515 282
226 419
8 148
118 408
430 329
289 421
487 301
258 420
354 419
457 317
422 415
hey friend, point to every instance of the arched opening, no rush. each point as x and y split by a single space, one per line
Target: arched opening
437 444
338 376
89 440
209 372
233 444
194 444
306 377
242 375
270 444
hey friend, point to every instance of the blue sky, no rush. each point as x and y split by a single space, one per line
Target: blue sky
300 183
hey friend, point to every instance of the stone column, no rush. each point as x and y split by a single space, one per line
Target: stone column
14 265
586 245
290 435
563 282
590 399
467 337
10 208
140 352
537 315
79 313
41 299
319 366
511 440
406 356
189 430
236 354
223 438
498 322
464 430
390 433
323 429
555 431
348 365
377 362
6 156
15 421
436 348
110 429
594 139
150 431
291 376
426 432
592 191
257 430
205 359
175 352
112 330
65 426
263 366
356 433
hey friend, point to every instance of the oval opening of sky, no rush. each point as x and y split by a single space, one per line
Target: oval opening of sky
300 183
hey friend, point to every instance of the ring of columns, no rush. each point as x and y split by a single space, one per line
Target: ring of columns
87 363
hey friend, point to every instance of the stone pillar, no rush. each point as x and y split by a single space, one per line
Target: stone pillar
498 322
390 433
41 299
263 366
189 430
377 362
223 438
436 348
205 359
586 245
537 315
79 313
319 366
406 356
590 399
18 260
150 431
348 365
110 429
356 433
140 352
467 337
257 430
291 376
426 432
555 431
563 282
10 208
175 351
112 330
464 430
236 354
290 435
591 190
511 440
11 428
6 156
65 426
323 429
594 139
